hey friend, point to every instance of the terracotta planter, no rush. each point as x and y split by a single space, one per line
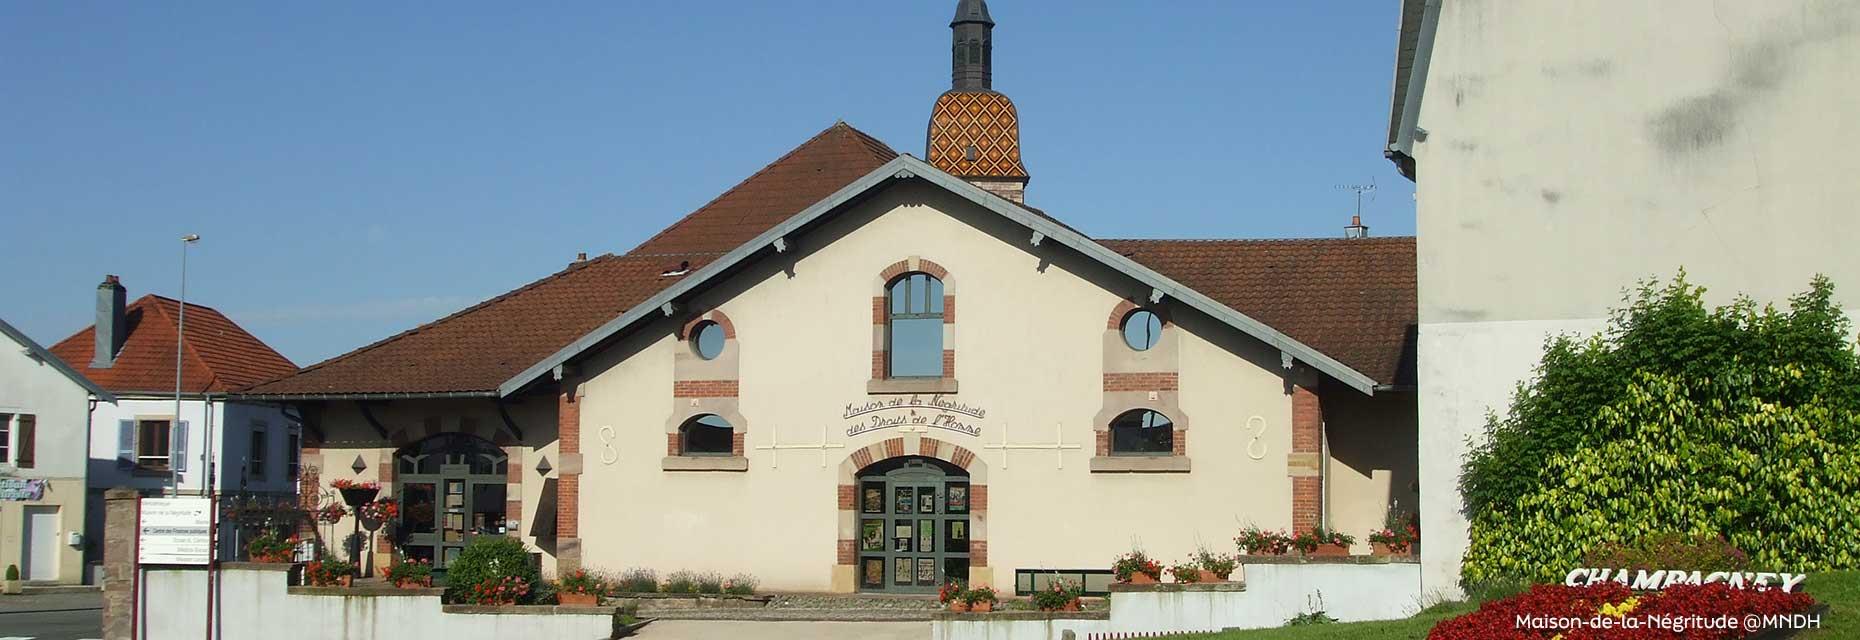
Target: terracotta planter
1383 550
414 584
1208 576
1141 578
958 606
578 599
1329 551
982 606
1071 605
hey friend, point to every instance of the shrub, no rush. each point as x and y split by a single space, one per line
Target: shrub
1737 421
1310 618
709 582
494 561
502 591
1497 620
1668 551
1136 562
741 584
1255 541
12 572
1057 595
638 580
410 572
681 582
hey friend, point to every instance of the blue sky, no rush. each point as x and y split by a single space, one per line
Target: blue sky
356 169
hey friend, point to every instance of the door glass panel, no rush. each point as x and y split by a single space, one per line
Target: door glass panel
420 552
872 535
452 554
454 521
872 573
956 536
417 513
905 501
872 499
956 569
926 536
487 505
901 535
926 572
958 498
901 572
926 499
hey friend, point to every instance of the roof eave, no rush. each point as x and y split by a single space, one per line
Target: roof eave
906 167
410 395
1406 99
38 352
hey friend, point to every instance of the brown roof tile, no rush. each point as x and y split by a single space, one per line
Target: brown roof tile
1352 299
219 356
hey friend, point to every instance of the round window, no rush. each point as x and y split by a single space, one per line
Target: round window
707 340
1142 328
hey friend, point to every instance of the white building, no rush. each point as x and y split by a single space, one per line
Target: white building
45 406
1564 149
244 447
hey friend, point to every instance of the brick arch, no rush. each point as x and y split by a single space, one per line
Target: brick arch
880 290
912 264
846 495
714 315
1123 309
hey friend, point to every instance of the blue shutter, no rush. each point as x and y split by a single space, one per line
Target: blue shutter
126 442
177 448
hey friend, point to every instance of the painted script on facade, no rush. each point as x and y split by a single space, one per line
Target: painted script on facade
934 411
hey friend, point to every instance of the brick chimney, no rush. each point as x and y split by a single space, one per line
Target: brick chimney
111 327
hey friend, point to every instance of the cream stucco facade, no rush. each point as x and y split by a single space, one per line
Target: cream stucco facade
1028 341
36 530
1568 149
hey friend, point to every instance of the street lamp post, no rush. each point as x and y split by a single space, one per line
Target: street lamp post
180 335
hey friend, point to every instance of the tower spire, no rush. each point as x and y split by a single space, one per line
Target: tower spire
972 47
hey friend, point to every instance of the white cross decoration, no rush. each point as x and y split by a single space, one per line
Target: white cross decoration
1058 445
823 446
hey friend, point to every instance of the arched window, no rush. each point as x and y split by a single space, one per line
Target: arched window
706 435
1142 432
914 326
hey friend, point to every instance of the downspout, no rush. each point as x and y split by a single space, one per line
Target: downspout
1401 152
1324 475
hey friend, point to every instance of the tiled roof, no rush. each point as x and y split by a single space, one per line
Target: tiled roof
478 348
808 174
1352 299
219 355
983 121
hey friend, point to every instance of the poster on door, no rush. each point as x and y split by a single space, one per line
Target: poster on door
174 531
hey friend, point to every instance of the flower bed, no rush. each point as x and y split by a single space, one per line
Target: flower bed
1498 619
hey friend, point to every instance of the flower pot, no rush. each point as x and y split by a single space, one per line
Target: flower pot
1141 578
1382 550
958 606
345 581
982 606
1071 605
1329 551
1205 575
578 599
359 497
12 588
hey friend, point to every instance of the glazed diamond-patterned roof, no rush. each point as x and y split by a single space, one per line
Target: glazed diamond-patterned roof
975 134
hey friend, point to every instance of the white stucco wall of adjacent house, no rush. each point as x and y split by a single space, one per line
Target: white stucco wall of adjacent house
58 407
216 427
1573 148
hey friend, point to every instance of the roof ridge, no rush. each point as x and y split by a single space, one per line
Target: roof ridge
574 267
837 127
1293 239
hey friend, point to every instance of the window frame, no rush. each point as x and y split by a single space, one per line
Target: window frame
6 438
293 453
933 309
257 464
1155 319
696 338
1168 449
684 437
167 435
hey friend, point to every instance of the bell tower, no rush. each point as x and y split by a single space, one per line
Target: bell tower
974 130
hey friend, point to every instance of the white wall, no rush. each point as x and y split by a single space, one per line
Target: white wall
59 407
1574 147
231 424
257 604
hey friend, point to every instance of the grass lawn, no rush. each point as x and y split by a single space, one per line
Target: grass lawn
1840 589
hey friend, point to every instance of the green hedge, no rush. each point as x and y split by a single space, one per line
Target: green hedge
487 559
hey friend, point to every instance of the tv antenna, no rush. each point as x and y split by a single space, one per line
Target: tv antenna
1361 189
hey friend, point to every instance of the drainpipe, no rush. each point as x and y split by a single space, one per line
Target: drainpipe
1324 475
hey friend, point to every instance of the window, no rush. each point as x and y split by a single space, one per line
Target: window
1142 329
707 340
28 440
707 435
260 443
1142 432
914 327
293 452
152 444
6 437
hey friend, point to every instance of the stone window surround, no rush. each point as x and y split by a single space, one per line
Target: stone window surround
880 382
846 494
701 387
1134 380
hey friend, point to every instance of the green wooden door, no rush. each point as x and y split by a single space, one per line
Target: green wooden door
451 488
913 529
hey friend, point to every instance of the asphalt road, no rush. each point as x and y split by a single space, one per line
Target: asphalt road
62 616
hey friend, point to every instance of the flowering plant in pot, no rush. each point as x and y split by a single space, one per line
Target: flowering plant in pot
951 594
1185 572
356 492
1397 537
503 591
1323 542
1059 595
331 513
1136 567
980 599
410 574
381 510
271 548
1215 567
1258 542
329 572
581 588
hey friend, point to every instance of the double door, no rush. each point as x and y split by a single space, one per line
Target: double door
913 529
441 513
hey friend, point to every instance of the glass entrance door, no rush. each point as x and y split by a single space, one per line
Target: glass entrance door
913 528
452 488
